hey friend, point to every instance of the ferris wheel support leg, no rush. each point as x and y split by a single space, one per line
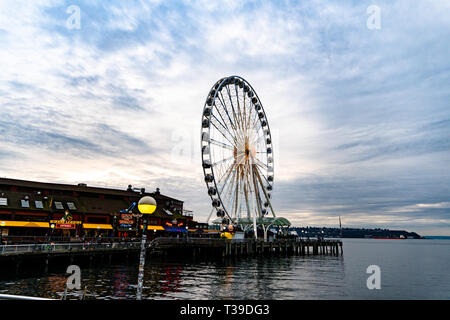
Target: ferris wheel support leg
255 227
265 193
210 214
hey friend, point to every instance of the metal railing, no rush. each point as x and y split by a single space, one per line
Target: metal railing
61 247
59 239
21 248
185 240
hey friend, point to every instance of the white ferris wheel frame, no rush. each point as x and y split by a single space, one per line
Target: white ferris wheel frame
240 130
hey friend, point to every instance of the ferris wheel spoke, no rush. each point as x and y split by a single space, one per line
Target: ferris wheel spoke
226 174
260 163
223 169
236 199
257 124
250 121
239 107
259 139
224 125
220 188
245 112
222 161
220 114
231 190
236 133
246 191
222 101
254 194
255 121
223 134
226 199
221 144
267 181
232 106
225 183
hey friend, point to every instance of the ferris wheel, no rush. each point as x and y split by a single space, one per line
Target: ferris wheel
237 153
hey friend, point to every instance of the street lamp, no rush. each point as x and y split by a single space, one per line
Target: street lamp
147 205
52 226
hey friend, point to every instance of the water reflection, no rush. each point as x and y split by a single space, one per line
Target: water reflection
171 281
120 282
246 278
313 277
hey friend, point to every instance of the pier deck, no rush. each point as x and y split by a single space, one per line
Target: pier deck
221 247
41 255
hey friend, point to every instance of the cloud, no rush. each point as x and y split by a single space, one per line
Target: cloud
445 205
360 117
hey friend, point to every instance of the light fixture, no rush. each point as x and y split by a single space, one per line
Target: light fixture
147 205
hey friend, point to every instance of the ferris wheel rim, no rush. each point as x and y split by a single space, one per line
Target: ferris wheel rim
218 86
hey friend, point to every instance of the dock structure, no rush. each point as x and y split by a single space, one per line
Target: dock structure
40 256
243 247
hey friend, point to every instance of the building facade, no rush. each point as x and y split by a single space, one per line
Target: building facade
39 210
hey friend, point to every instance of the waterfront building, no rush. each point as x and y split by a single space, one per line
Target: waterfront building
40 211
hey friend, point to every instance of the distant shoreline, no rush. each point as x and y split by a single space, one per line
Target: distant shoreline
437 237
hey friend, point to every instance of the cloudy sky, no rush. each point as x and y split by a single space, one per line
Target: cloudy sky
110 93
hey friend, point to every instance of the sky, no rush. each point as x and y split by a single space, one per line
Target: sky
110 93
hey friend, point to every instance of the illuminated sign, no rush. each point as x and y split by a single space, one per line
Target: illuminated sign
123 222
65 222
65 226
126 220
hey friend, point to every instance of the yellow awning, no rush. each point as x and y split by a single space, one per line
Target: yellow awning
27 224
96 226
153 227
213 231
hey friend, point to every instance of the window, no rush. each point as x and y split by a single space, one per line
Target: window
3 201
25 203
39 204
71 206
58 205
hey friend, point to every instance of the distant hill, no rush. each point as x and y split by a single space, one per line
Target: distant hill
313 232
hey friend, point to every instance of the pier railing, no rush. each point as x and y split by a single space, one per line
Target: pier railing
22 248
248 246
59 239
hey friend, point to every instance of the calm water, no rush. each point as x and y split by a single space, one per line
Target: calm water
410 269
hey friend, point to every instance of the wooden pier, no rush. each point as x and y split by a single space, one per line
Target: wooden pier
245 247
41 257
